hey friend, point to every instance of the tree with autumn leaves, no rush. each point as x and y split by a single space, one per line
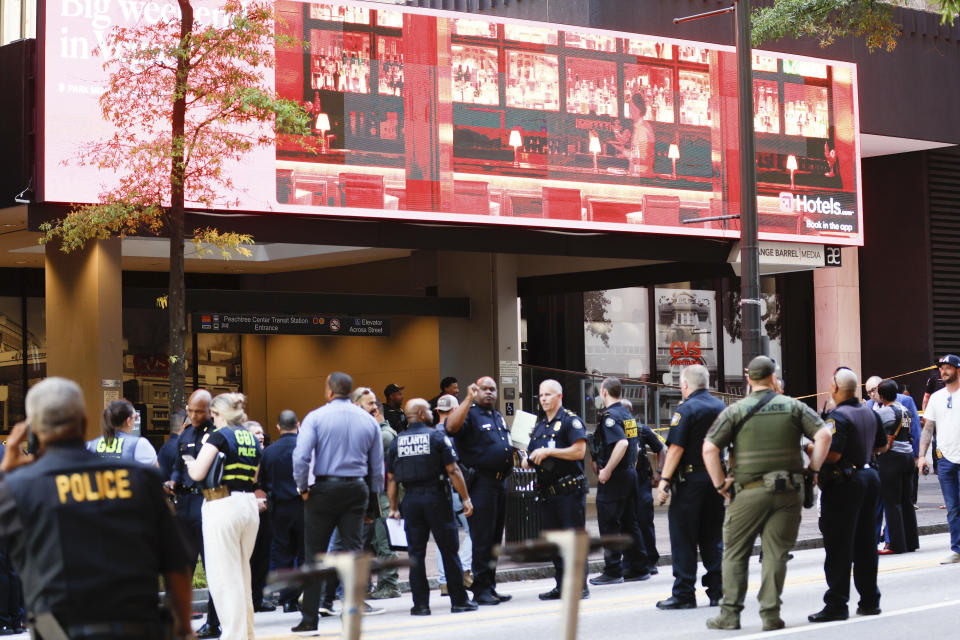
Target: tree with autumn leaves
186 101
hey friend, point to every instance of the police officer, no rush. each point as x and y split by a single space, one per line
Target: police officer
117 442
765 429
696 511
646 438
483 441
421 458
616 438
276 477
556 450
187 492
55 512
850 492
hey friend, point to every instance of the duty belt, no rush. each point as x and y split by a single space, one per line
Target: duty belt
565 486
496 475
690 468
339 478
215 494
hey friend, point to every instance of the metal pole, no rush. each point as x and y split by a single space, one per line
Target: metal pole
354 570
749 254
573 545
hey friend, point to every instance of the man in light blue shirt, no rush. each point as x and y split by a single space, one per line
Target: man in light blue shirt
345 445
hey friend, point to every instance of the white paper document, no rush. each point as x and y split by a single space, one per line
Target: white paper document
396 533
522 428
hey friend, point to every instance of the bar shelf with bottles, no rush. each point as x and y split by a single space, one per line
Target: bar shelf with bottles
353 85
561 90
794 125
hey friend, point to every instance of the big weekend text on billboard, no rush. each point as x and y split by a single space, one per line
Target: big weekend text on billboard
428 115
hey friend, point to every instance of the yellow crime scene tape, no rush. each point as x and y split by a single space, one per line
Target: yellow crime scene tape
899 375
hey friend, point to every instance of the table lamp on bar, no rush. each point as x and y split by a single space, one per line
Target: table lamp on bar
674 154
594 149
516 141
792 168
323 125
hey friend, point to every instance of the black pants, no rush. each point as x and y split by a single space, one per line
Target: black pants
332 505
563 512
847 522
11 594
696 522
191 523
896 487
427 511
617 514
260 559
645 521
489 497
286 548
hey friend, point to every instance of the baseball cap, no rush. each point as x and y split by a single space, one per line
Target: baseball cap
447 402
761 367
391 389
950 359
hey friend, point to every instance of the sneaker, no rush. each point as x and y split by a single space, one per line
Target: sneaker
553 594
603 579
326 610
372 611
953 558
385 593
636 577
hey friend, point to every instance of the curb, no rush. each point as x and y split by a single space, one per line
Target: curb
541 571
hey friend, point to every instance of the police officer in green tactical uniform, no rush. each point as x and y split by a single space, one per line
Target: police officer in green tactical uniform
765 429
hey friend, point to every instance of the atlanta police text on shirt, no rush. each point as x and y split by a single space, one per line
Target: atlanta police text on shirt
413 444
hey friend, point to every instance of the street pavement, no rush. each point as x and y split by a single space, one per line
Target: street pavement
913 585
918 593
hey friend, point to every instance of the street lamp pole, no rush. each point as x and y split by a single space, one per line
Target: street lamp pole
752 341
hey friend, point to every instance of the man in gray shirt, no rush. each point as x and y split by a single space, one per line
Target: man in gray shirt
344 442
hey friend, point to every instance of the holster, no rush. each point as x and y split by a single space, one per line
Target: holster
469 477
832 475
808 500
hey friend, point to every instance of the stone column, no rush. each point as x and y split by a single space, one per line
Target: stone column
84 323
836 295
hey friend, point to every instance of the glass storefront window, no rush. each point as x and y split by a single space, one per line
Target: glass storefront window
693 54
686 328
615 332
771 325
11 360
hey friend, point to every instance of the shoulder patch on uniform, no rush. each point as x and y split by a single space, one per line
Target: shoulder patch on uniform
832 425
577 424
675 420
609 422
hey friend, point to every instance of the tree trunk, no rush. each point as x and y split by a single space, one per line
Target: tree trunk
177 294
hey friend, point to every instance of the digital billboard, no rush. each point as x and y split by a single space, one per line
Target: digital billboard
440 116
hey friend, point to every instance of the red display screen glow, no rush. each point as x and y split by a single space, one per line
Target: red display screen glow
439 116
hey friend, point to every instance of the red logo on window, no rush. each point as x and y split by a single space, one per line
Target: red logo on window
685 353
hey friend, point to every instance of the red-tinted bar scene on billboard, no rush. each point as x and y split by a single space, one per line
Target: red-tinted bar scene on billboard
522 123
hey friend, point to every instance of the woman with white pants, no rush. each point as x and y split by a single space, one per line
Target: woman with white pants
230 514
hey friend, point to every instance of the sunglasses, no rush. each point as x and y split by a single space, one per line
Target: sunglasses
950 402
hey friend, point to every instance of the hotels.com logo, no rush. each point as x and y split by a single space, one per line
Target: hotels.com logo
802 204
